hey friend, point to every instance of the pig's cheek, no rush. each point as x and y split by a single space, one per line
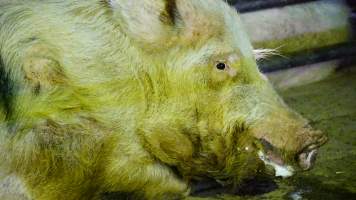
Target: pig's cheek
219 76
248 149
248 152
231 71
252 165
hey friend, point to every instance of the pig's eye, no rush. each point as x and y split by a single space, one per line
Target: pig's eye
221 66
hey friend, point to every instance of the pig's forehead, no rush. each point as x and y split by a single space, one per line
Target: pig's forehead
232 38
218 20
230 46
214 50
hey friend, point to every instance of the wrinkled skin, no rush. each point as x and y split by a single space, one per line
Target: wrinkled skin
110 96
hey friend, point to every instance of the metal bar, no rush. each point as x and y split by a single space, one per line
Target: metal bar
339 51
248 5
352 5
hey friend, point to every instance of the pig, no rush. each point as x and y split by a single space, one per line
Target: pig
140 98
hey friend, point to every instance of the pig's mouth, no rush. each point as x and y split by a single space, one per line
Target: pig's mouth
272 159
305 159
280 169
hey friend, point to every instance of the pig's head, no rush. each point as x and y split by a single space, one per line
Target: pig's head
206 108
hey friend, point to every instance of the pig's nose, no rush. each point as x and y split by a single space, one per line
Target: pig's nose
307 157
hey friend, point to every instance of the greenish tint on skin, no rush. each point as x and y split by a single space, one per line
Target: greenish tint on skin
307 41
110 98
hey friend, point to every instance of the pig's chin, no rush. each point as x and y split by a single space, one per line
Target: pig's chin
281 170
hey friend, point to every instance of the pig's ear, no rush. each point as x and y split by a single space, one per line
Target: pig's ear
148 21
200 19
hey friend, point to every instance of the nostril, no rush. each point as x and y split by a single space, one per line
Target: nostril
307 159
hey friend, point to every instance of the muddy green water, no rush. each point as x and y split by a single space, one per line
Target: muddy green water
331 106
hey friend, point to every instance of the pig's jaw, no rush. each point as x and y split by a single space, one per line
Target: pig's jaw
280 170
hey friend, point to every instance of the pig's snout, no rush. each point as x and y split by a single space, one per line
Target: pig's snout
306 158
